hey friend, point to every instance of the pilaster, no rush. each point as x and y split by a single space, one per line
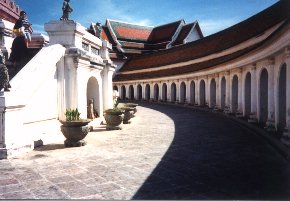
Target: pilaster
218 94
286 135
177 91
160 91
270 124
228 89
187 91
135 91
253 115
3 150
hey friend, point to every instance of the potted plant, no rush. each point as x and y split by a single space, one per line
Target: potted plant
74 128
132 105
128 114
114 117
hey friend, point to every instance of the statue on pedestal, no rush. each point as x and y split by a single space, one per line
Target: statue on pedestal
91 112
66 9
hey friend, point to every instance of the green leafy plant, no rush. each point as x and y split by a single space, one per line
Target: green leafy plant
115 109
116 103
72 115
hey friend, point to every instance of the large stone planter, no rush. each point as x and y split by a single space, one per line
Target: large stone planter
114 120
133 105
128 114
75 132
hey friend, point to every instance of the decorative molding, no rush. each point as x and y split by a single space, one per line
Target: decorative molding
286 53
253 67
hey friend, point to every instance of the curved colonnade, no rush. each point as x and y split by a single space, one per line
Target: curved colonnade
244 70
257 89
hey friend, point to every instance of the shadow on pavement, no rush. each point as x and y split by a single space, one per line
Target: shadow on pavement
50 147
212 157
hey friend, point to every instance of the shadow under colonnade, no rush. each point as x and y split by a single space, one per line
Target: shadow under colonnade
212 157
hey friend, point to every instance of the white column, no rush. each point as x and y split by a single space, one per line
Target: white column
286 135
2 121
151 91
207 91
160 91
228 88
168 91
287 61
135 91
177 91
196 85
240 90
143 90
187 86
271 104
218 90
198 91
70 76
127 91
107 87
253 90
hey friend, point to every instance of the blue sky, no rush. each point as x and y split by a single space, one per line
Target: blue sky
212 15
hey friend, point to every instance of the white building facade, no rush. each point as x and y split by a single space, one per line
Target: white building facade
67 74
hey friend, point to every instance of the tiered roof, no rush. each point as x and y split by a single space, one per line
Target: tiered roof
275 17
130 39
9 10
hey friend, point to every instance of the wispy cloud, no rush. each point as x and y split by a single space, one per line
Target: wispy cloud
38 28
209 26
101 10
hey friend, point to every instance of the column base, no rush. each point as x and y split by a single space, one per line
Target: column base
239 114
227 110
253 119
3 153
285 139
270 126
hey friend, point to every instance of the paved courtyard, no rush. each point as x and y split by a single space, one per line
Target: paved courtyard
167 152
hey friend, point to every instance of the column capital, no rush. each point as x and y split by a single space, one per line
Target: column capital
227 72
286 53
269 62
253 67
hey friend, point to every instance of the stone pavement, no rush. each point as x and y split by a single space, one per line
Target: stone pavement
167 152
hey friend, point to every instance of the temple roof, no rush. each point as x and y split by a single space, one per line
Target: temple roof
185 31
9 10
253 27
130 39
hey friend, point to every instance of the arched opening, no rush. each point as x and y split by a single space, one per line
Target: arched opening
131 92
212 93
156 92
115 88
123 92
192 93
139 92
164 92
282 99
235 93
182 92
93 102
147 92
223 93
173 92
202 93
263 97
248 94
